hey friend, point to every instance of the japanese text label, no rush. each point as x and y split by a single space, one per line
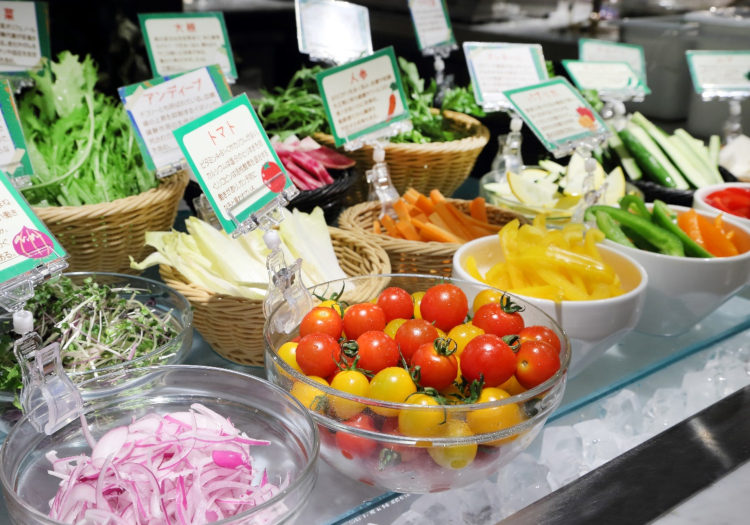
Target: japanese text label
495 68
25 242
159 106
556 112
609 77
179 42
590 50
24 37
234 162
727 71
336 30
431 23
363 96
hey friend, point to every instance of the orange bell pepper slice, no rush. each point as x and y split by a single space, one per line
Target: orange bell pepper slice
715 241
688 222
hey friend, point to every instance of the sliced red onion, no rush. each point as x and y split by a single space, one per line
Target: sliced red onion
184 468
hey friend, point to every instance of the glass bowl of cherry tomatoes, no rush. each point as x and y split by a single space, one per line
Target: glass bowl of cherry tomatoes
414 390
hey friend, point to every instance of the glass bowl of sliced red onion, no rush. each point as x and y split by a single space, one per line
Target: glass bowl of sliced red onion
173 444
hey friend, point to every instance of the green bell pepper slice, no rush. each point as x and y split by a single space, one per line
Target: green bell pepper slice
665 218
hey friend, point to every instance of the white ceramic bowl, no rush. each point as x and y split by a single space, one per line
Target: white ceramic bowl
592 326
699 200
684 290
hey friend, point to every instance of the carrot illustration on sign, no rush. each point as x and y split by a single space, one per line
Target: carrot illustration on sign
272 176
391 102
586 118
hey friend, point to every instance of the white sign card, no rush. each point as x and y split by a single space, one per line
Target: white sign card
498 67
233 160
591 50
24 37
333 30
606 77
432 24
727 71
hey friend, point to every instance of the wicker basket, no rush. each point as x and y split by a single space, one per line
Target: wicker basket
431 258
101 237
441 165
233 326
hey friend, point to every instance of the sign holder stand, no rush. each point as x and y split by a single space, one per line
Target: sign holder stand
439 54
45 383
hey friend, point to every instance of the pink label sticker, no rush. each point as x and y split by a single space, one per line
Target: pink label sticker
32 243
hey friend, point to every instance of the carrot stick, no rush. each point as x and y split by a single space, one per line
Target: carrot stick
434 233
478 210
410 198
401 210
454 225
390 226
462 218
485 225
437 221
420 217
425 204
376 227
408 231
436 196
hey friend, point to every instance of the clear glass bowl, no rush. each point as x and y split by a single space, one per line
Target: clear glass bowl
253 405
160 298
420 474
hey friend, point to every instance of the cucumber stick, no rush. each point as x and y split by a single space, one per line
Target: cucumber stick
649 157
714 147
700 154
627 161
662 139
700 175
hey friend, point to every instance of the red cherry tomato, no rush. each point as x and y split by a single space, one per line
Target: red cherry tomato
322 320
494 320
445 305
296 339
537 361
489 356
437 364
316 354
397 303
377 351
354 446
413 334
361 318
540 333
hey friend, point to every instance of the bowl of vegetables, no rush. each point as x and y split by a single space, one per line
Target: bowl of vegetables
594 292
90 185
170 444
730 198
414 398
695 260
105 323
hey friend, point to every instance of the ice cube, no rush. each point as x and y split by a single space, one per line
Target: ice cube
438 509
599 445
412 518
562 452
701 390
665 408
522 482
622 413
477 502
733 379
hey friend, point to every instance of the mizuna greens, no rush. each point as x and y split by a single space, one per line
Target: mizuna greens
80 142
97 326
298 108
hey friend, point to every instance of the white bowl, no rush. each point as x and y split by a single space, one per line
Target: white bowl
684 290
592 326
699 200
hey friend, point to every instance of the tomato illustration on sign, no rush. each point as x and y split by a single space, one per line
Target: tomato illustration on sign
32 243
272 176
586 118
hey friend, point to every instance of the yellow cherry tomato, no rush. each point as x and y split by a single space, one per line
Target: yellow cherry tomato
462 334
392 384
454 457
486 297
288 352
512 386
440 332
392 327
350 382
489 420
310 396
332 304
417 302
422 423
